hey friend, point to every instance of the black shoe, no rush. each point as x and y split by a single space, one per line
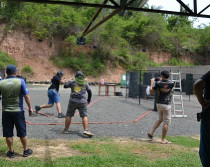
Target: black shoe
37 108
11 154
27 152
61 115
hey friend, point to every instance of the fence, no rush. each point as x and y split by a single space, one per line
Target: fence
138 81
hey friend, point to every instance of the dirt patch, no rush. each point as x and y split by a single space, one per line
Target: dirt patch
197 137
55 151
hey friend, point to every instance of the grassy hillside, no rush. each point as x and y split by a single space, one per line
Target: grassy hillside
126 39
5 60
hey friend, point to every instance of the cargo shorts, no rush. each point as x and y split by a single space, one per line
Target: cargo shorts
72 106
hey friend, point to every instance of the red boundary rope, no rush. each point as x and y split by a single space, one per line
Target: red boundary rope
107 122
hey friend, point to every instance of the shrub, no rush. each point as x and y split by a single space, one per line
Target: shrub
178 62
27 71
92 63
5 60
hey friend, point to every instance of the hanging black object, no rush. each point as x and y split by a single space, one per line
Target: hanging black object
81 41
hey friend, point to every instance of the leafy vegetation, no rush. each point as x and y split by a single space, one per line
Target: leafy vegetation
5 60
120 40
27 71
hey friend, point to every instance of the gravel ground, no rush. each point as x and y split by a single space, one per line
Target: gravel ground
108 109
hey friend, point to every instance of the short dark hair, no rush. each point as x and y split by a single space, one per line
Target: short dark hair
165 74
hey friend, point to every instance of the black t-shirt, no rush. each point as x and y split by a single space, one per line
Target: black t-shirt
55 82
163 91
206 78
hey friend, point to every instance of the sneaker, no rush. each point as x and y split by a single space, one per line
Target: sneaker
61 115
66 131
27 152
87 133
11 154
37 108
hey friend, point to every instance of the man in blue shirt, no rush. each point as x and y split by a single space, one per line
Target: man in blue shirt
13 90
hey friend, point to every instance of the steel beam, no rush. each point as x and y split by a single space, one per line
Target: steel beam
185 6
94 17
166 12
107 18
101 22
68 3
193 14
204 9
114 3
195 7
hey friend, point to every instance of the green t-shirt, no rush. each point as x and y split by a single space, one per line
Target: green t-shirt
13 89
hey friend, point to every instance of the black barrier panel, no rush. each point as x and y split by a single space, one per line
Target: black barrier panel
133 85
156 75
183 85
189 84
146 78
142 91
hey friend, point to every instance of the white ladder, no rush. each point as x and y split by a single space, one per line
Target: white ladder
177 100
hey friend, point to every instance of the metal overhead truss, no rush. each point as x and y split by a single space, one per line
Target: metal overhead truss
123 5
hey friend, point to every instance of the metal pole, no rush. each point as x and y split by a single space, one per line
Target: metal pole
108 17
69 3
94 17
126 85
204 9
195 6
114 3
139 88
185 6
101 22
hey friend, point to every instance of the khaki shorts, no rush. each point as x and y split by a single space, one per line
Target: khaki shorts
164 111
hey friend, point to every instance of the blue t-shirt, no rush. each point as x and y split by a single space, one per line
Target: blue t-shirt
13 89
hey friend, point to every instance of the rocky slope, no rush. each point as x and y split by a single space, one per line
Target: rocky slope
36 53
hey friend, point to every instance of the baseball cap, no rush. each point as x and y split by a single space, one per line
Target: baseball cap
11 69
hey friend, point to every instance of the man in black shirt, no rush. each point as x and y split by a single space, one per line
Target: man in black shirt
53 94
202 92
163 90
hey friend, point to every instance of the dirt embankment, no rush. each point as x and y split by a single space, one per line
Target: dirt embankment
28 50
